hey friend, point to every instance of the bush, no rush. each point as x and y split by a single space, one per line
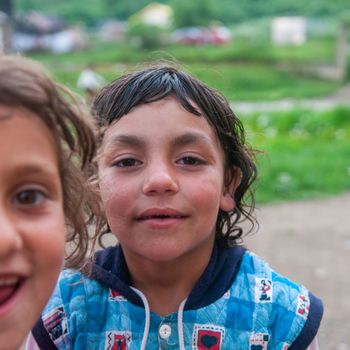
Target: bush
145 36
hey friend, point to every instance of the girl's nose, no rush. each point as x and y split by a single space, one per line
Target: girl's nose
160 180
10 238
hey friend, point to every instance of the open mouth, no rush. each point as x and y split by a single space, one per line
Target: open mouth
8 288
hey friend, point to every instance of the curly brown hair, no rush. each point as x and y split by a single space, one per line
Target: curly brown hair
160 80
25 83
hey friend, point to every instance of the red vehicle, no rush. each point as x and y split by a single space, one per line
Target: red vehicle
202 35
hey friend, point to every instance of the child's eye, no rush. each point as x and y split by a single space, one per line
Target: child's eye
190 160
29 197
127 162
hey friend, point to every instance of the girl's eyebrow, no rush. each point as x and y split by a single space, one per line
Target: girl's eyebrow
191 138
187 138
34 169
130 140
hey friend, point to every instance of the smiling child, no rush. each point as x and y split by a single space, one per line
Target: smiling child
173 173
41 191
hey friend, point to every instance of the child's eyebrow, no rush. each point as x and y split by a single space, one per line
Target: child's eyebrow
33 169
130 140
191 138
178 141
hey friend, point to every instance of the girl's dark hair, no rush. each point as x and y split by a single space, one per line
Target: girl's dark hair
24 83
161 80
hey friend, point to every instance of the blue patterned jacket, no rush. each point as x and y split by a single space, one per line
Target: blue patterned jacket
239 303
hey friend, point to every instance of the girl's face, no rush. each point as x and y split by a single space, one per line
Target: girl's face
32 229
161 173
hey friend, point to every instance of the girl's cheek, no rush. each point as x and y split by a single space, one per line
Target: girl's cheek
49 234
106 189
111 188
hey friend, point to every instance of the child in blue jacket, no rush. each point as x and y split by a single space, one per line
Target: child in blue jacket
173 172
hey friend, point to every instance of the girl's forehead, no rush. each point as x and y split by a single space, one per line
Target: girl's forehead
26 127
164 123
161 112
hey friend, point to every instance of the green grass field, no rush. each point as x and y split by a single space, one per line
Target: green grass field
244 70
237 81
305 153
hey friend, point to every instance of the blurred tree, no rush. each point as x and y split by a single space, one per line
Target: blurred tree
148 27
187 12
144 35
6 6
123 9
193 13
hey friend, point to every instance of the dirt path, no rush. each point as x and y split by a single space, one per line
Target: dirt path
309 242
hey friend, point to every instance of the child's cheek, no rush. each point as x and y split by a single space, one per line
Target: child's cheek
49 238
206 188
106 185
112 191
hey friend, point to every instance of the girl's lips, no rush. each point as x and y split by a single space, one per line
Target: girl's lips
162 222
161 218
11 291
160 214
8 288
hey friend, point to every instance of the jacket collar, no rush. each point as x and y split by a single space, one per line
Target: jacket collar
110 270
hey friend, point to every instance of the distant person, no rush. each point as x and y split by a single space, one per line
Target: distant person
173 169
90 82
45 147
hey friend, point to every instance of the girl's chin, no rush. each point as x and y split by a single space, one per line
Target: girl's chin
13 340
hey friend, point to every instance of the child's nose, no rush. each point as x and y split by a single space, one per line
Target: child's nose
160 180
10 238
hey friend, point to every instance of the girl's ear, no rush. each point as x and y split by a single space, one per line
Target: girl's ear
227 200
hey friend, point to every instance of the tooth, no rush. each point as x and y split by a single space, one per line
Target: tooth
8 281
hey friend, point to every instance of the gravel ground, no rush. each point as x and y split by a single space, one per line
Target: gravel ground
309 242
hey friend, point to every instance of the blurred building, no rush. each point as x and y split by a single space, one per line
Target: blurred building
288 30
156 14
35 31
112 30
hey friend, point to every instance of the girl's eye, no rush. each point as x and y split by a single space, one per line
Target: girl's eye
127 162
189 160
29 197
